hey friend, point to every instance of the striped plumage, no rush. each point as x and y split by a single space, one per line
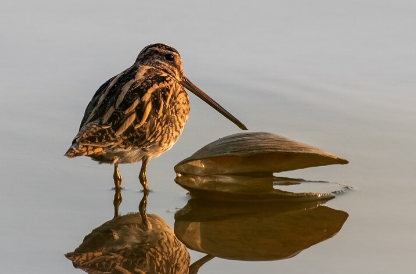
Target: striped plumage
123 246
140 113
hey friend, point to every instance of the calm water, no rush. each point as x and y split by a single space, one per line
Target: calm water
339 76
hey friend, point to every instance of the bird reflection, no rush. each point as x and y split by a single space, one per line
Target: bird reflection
132 243
255 231
246 230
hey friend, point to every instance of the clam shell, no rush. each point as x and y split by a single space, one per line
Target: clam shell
254 152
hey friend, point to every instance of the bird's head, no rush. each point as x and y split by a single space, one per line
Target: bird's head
162 57
167 59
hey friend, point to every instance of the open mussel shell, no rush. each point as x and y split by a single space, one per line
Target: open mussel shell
254 152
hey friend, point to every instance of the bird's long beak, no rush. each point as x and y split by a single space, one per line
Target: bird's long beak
198 92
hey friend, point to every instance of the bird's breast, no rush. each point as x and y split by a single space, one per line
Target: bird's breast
158 119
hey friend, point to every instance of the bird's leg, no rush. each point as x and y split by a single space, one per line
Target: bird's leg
142 210
117 201
117 177
142 175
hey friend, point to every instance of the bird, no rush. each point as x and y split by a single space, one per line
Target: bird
133 243
139 113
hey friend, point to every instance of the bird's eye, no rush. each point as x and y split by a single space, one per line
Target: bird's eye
169 57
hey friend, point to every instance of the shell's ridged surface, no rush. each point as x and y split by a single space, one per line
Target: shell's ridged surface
123 246
254 152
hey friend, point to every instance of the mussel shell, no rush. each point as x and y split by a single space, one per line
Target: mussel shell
254 152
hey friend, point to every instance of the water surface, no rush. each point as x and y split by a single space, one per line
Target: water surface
335 75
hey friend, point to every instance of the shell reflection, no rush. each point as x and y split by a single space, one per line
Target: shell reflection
256 232
254 189
131 244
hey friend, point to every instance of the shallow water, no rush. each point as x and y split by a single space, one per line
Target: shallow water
338 76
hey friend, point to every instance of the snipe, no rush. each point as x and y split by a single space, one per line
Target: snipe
140 113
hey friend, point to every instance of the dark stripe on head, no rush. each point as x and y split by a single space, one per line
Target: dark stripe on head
146 49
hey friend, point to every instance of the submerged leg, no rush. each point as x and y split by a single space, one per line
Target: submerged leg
142 210
117 201
142 175
117 177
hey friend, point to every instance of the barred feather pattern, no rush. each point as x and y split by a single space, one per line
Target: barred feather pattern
139 113
122 245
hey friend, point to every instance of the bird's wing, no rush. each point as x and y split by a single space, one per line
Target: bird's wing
105 95
94 101
122 260
123 109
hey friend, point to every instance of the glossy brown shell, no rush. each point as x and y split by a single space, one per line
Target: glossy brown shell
254 152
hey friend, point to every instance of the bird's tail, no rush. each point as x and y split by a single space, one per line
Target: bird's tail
80 150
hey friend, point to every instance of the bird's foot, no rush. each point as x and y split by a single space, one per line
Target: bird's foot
117 177
143 182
